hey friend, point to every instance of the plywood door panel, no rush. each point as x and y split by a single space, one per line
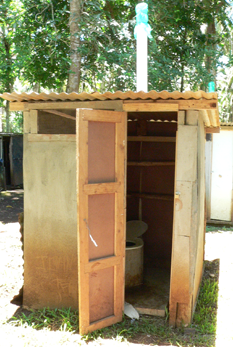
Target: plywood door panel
221 184
101 139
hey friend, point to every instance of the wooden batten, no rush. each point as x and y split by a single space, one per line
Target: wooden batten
102 264
164 197
150 163
213 130
55 105
17 106
152 138
185 105
150 107
104 116
101 188
61 114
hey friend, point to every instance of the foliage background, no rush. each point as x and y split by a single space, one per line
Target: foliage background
191 45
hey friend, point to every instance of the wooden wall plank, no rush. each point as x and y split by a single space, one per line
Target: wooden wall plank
103 116
186 153
183 208
185 105
61 114
51 138
184 313
191 117
120 214
150 107
30 123
181 118
26 122
185 225
213 130
180 286
50 211
17 106
34 121
56 105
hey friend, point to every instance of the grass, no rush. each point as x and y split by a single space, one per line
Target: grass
218 228
147 330
205 317
56 319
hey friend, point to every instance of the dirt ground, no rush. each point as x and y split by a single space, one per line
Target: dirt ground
11 204
219 244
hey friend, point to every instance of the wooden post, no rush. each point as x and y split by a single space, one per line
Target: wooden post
185 219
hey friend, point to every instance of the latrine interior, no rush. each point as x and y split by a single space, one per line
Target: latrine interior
150 196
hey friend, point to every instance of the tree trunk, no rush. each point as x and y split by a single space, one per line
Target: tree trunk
211 30
8 81
74 76
7 110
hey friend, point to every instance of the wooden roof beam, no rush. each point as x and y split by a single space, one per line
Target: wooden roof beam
61 114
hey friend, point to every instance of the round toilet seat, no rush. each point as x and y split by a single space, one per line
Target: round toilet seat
137 243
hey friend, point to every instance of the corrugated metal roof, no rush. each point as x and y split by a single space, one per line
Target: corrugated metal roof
153 95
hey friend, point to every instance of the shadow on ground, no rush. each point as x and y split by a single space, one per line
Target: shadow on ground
11 204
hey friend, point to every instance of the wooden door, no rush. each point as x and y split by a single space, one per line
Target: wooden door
16 160
2 170
101 146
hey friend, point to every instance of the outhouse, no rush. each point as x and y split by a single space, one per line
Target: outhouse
93 162
219 176
11 160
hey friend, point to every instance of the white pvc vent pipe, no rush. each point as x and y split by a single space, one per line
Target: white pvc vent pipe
141 33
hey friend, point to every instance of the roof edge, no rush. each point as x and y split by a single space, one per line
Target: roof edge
129 95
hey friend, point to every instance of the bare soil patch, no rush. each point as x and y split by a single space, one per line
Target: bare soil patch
11 280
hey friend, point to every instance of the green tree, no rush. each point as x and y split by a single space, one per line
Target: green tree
43 44
10 16
78 45
182 53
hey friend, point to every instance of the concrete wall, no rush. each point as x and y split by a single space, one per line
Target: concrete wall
50 223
